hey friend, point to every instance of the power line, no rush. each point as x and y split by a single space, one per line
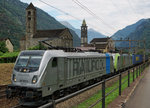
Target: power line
60 10
90 12
69 15
131 7
116 6
93 14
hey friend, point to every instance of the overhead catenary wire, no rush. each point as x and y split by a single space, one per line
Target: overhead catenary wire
66 13
94 15
116 6
60 10
131 7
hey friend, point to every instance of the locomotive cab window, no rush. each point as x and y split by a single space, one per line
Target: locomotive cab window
54 62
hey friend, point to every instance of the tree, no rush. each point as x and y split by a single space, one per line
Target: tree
3 48
140 51
38 47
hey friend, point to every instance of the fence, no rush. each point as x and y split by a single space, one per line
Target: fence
139 70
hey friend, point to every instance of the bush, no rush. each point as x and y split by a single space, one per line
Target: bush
1 53
3 48
38 47
9 57
9 54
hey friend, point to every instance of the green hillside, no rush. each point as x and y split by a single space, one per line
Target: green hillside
12 20
142 31
137 31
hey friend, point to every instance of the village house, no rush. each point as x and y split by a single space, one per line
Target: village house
103 44
56 38
8 43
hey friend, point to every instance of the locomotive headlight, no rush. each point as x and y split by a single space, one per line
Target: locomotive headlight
34 80
14 78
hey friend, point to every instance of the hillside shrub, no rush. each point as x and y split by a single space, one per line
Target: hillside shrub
3 48
38 47
1 53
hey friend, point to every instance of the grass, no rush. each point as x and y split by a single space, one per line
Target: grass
9 54
110 97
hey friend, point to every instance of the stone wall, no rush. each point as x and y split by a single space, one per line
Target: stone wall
9 45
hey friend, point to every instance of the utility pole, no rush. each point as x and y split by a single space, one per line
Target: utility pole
130 47
144 49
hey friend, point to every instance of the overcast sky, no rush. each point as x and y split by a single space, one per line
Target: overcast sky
109 15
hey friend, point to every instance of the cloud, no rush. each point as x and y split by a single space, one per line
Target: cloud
112 14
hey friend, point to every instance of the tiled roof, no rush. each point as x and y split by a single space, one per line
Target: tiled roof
89 45
101 46
100 40
48 33
3 39
30 6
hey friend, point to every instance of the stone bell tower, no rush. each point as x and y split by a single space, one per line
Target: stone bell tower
84 40
30 24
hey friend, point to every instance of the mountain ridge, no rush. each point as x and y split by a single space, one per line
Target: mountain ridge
123 33
140 30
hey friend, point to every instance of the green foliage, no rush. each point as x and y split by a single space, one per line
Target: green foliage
9 57
109 98
141 31
1 53
10 54
140 51
38 47
3 48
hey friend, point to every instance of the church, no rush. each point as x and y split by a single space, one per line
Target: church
56 37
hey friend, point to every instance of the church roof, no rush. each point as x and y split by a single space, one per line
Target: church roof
100 40
49 33
30 6
3 39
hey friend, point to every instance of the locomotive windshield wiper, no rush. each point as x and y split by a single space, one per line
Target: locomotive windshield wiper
28 61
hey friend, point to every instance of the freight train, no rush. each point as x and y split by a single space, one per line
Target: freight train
40 75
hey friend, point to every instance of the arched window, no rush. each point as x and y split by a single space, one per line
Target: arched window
29 18
29 12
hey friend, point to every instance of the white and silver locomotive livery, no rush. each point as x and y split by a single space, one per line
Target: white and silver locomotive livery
40 75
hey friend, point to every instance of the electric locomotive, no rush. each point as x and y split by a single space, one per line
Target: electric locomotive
41 75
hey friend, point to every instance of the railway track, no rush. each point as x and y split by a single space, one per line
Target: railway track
4 102
3 91
18 106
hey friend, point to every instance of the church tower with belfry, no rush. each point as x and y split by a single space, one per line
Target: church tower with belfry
55 37
30 24
84 39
